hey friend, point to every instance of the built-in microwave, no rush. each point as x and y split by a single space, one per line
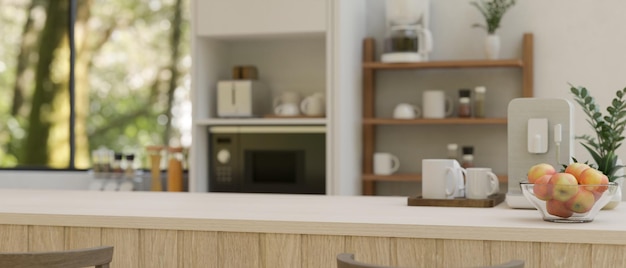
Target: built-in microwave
268 159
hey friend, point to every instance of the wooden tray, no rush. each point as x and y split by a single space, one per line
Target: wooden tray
291 116
491 201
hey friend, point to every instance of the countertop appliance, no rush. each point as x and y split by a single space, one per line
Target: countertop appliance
408 37
540 130
242 98
268 159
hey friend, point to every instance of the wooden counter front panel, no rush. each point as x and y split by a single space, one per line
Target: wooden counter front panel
176 248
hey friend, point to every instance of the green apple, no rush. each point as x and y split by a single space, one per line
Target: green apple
564 186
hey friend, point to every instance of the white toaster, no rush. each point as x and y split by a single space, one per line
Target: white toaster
242 98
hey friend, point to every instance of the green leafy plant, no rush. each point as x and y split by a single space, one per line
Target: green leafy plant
608 129
492 11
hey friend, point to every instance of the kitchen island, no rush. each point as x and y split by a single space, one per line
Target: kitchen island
150 229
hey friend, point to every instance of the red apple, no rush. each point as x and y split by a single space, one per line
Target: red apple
542 189
581 202
592 177
575 169
564 185
557 208
538 170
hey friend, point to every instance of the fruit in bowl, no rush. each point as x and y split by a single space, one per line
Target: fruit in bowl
575 195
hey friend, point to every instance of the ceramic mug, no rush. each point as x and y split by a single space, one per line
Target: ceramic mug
292 97
287 109
440 178
436 104
313 105
385 163
406 111
481 183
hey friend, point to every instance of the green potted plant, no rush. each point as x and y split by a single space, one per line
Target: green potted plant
609 129
493 11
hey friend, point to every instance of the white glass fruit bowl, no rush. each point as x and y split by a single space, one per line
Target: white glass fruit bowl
568 203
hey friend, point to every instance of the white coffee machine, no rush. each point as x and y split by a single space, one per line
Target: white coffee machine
408 37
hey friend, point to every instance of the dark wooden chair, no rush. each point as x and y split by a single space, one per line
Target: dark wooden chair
100 257
346 260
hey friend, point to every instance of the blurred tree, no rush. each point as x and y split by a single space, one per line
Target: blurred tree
41 118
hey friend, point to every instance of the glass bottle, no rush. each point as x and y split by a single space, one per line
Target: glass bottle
116 165
175 169
479 101
467 160
154 153
129 171
465 107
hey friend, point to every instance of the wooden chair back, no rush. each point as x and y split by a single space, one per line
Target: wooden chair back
100 257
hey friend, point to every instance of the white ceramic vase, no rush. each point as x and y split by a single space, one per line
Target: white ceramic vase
492 46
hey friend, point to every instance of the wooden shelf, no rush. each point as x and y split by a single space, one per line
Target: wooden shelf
369 121
516 63
411 177
259 121
444 121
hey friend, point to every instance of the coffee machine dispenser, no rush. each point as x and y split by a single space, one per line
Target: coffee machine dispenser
408 37
539 130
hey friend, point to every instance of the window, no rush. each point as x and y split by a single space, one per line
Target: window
131 81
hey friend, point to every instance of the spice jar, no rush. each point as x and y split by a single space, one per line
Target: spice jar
155 154
479 101
467 160
465 107
175 169
453 151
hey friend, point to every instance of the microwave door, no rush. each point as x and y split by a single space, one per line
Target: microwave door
283 162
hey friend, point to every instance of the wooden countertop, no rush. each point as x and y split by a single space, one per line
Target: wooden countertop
299 214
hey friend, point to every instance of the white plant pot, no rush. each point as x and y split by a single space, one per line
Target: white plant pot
492 46
617 198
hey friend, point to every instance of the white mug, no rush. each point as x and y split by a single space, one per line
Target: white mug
436 104
481 183
313 105
287 109
385 163
440 178
292 97
406 111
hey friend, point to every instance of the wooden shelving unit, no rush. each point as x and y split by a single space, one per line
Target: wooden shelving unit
370 66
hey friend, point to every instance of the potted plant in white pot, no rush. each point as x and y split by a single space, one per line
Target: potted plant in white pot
609 129
493 11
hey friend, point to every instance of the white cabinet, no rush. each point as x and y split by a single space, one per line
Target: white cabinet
229 18
309 46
